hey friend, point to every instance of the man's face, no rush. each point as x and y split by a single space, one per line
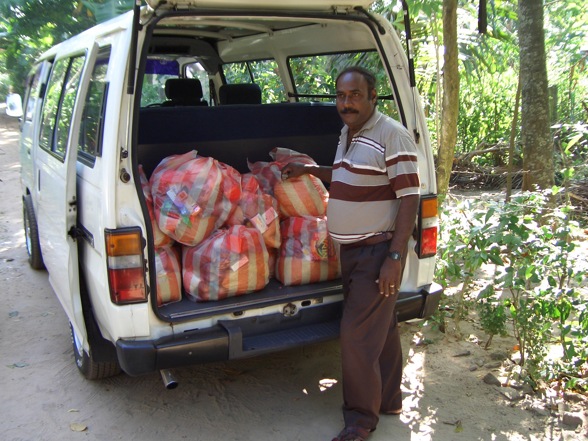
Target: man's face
355 103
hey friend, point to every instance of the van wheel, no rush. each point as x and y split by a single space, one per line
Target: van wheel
32 234
90 368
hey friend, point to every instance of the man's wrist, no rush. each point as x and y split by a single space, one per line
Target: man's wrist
394 255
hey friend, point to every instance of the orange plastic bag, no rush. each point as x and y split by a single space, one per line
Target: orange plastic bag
307 253
229 263
257 210
193 196
302 196
160 239
268 174
168 270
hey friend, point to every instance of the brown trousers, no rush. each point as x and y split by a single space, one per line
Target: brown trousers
370 342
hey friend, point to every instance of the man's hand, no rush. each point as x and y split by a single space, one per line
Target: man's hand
293 170
390 277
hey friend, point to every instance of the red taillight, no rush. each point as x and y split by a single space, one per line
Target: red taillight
126 270
427 227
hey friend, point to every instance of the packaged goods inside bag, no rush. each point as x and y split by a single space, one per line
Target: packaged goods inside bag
168 269
229 263
160 239
257 210
307 253
193 196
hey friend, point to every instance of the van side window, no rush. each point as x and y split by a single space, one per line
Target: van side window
59 103
314 77
92 124
262 72
32 93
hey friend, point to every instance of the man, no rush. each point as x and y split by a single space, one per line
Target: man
373 202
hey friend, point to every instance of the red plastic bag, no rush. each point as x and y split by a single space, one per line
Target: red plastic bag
160 239
229 263
268 174
307 253
168 270
257 210
193 196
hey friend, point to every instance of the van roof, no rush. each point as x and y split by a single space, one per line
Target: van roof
301 5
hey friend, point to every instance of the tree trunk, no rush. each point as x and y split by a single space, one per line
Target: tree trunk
536 138
450 108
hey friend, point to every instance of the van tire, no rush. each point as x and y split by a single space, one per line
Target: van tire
90 368
31 229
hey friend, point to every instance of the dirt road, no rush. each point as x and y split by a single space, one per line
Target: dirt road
291 396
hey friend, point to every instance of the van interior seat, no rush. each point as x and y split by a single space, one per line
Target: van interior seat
184 92
245 93
236 134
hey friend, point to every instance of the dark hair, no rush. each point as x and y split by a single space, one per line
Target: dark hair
369 77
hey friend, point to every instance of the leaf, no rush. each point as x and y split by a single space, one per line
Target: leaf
78 427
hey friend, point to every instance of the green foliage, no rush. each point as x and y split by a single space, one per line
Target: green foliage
538 278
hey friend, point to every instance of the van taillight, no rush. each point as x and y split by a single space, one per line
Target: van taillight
427 227
126 270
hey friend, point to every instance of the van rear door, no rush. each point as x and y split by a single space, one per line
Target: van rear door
55 188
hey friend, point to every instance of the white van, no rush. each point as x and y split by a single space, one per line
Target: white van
230 80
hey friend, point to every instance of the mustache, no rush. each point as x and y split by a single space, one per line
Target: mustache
349 110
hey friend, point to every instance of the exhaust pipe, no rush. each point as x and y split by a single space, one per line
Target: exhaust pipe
168 379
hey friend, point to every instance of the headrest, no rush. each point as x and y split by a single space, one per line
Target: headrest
184 90
246 93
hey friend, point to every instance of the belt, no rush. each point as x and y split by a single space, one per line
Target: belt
372 240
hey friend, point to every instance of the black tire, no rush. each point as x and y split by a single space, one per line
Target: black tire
90 368
32 234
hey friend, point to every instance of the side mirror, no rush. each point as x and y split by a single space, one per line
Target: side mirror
14 105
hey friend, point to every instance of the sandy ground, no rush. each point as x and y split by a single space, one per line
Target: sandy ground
290 396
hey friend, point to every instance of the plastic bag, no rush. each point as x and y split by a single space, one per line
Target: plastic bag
193 196
307 254
229 263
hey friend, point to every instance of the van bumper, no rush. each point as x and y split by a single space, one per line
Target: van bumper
253 336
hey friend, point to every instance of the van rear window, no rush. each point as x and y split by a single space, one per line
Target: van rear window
314 76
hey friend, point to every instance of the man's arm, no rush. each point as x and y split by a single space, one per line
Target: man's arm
391 270
296 169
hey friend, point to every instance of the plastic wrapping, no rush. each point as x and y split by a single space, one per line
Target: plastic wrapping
193 196
307 253
168 270
229 263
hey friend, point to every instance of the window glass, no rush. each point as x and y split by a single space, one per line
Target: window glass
32 93
51 103
196 70
314 76
262 72
64 119
92 124
157 71
58 104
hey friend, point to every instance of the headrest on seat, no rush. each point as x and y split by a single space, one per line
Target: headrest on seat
184 91
246 93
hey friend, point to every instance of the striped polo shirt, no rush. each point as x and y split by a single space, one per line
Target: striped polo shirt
379 167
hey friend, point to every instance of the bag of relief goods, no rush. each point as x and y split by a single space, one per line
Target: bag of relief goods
307 253
302 196
159 238
257 210
168 270
229 263
193 196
